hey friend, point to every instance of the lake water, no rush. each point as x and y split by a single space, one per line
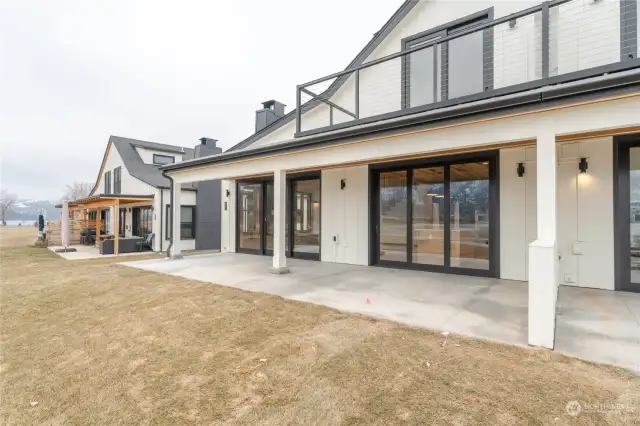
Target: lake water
14 223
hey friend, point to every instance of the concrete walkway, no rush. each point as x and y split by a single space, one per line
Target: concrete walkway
478 307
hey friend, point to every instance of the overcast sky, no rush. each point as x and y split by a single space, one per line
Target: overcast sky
73 72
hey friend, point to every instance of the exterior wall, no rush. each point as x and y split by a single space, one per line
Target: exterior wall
187 198
345 215
228 215
208 200
577 42
517 211
585 214
130 184
147 155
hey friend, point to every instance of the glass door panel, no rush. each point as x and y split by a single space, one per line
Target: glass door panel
306 216
469 215
268 230
249 216
634 213
428 210
393 216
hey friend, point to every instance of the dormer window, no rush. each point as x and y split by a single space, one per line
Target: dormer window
161 160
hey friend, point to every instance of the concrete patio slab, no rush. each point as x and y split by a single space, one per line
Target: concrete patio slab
477 307
600 326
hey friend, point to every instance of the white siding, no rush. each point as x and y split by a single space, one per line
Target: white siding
583 34
228 216
130 184
517 212
187 198
585 214
147 155
345 215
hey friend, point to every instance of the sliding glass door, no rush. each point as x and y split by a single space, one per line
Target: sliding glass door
255 217
438 216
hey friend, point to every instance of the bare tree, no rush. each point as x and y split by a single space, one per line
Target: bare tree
6 201
76 191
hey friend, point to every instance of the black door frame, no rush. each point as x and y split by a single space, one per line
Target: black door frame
291 180
622 212
492 157
263 182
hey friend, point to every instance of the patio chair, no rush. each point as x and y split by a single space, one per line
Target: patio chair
146 243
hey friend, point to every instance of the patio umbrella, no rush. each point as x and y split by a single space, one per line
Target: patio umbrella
65 224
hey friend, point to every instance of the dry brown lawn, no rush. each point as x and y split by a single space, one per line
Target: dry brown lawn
95 343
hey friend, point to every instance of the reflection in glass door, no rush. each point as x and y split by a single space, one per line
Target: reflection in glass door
437 217
393 216
268 223
469 221
249 216
634 216
428 216
306 218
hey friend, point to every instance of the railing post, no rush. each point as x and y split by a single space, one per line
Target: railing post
298 109
357 94
545 39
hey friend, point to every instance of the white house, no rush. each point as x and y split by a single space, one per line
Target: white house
130 173
498 139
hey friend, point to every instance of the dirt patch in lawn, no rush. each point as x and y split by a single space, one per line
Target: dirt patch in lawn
92 342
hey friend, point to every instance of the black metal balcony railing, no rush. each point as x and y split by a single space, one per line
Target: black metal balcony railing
554 42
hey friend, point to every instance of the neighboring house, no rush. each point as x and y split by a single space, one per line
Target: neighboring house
131 169
482 138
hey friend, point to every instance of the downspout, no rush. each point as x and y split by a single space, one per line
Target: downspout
170 216
161 209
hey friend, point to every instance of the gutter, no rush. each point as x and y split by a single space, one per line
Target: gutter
532 98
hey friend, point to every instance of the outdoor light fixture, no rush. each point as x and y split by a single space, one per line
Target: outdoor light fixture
583 165
228 193
129 209
520 169
343 184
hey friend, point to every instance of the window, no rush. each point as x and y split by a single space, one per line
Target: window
187 222
107 182
448 70
163 159
144 222
117 180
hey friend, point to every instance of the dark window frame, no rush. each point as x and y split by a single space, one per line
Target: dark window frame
442 31
183 225
156 156
117 180
107 182
492 157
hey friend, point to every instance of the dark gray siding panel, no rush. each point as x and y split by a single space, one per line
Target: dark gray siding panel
208 224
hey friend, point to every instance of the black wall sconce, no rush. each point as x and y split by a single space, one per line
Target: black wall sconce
129 209
343 184
228 193
583 165
520 169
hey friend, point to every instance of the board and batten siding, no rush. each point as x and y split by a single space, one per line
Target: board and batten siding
583 34
130 185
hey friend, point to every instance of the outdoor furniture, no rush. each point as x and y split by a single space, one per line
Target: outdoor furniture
146 243
125 245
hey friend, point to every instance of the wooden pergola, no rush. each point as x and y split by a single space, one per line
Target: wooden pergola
99 202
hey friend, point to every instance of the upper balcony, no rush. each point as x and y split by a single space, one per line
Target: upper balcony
477 58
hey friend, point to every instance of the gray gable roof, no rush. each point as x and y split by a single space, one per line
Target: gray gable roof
137 168
358 60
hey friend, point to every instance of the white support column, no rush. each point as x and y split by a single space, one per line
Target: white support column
543 257
279 211
175 252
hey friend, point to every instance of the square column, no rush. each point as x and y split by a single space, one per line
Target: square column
175 252
279 213
543 256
